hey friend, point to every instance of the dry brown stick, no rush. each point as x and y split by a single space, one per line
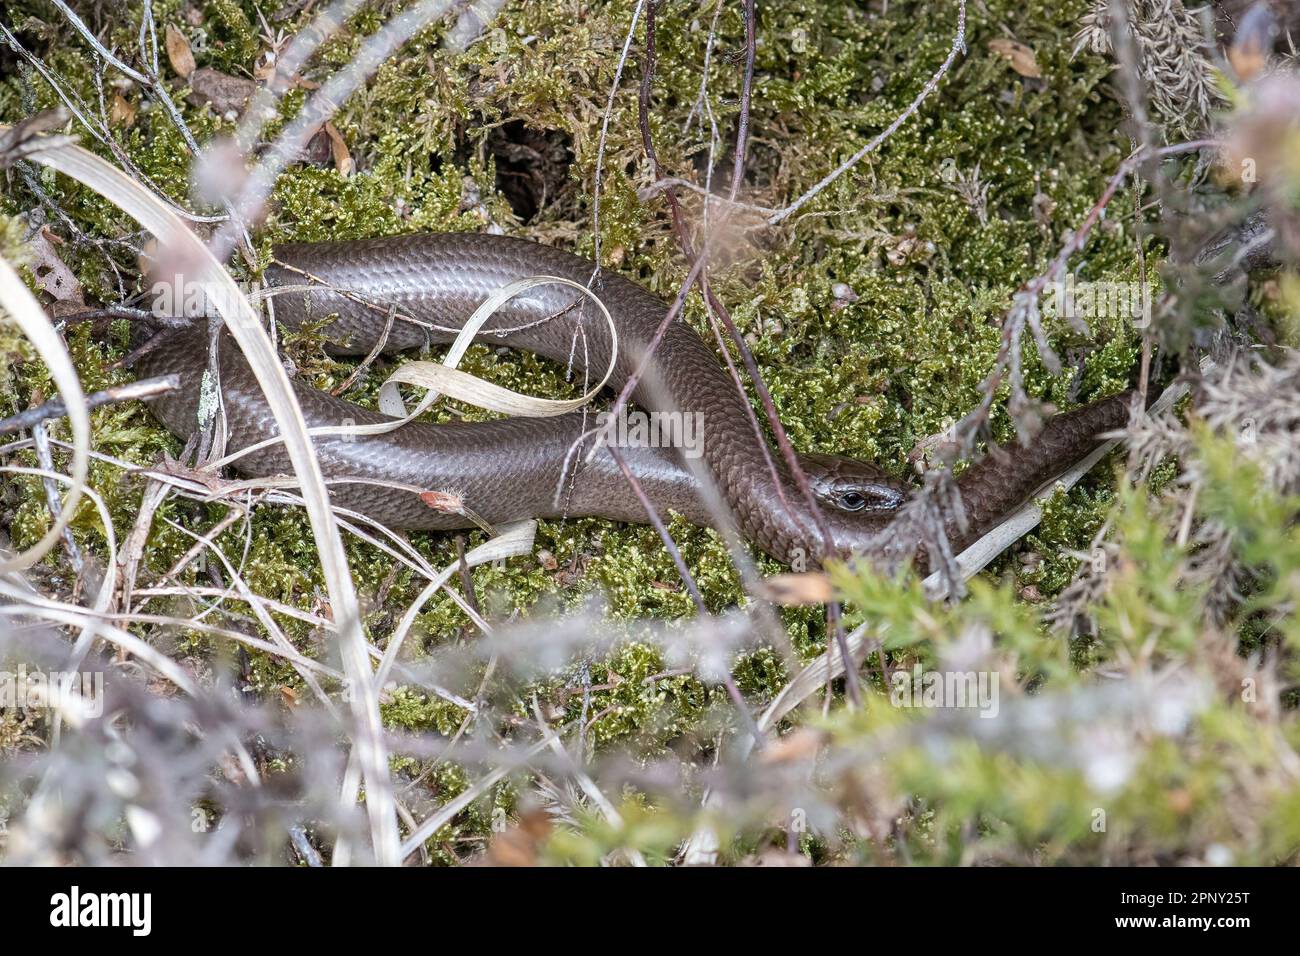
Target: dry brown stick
958 45
746 95
233 514
132 550
374 353
54 408
466 579
131 314
46 460
1122 31
966 431
604 134
718 310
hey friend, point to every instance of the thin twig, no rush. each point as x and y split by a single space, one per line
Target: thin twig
746 95
958 46
720 312
604 133
1025 302
323 104
55 408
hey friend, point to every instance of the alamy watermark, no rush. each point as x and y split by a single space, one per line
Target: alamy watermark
638 429
180 297
24 690
1070 298
936 689
74 908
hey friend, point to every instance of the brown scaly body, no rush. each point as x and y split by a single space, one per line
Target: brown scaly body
512 469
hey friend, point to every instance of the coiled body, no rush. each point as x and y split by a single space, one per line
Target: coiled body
517 468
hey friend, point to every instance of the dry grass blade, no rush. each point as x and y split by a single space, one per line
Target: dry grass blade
958 46
27 603
107 587
443 378
447 812
252 339
22 307
514 540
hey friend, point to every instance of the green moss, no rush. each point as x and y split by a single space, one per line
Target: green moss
1070 521
868 378
234 39
414 711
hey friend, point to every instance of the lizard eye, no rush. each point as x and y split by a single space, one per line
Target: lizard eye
852 501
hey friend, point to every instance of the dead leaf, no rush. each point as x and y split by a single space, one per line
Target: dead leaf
519 845
224 93
339 150
265 66
1253 44
52 274
1180 801
792 590
844 296
122 112
178 52
1020 57
443 501
798 745
317 150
